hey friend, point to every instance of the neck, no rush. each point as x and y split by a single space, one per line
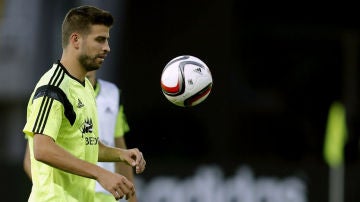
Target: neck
74 68
92 79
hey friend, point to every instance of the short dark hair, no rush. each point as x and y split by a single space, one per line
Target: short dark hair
80 19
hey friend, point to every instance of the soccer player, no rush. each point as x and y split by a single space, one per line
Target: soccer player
62 122
112 127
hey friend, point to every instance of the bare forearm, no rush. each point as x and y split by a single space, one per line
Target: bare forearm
109 154
57 157
48 152
132 157
73 165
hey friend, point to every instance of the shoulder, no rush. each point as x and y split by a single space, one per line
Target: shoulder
49 77
56 76
51 83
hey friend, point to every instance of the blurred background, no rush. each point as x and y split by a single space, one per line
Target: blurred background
277 68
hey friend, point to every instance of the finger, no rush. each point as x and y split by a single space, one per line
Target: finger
139 158
141 167
118 194
127 187
134 154
128 196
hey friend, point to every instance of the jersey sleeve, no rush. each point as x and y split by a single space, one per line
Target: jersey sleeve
44 116
121 126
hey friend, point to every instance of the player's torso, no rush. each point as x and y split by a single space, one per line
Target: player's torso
76 133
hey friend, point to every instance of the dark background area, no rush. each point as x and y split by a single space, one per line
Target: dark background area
277 67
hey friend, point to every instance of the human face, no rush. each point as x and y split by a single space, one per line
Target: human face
95 47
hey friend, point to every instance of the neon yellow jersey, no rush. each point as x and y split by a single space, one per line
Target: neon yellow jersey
63 108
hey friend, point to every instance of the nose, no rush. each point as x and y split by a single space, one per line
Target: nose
106 47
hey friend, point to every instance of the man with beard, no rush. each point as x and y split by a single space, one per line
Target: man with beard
62 122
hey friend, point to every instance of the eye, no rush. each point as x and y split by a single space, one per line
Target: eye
101 39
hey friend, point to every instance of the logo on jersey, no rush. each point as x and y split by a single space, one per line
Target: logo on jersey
87 127
80 104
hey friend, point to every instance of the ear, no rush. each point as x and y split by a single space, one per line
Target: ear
75 40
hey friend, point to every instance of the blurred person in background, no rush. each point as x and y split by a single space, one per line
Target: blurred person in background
62 122
112 128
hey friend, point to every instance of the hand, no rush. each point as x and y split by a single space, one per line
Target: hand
116 184
134 158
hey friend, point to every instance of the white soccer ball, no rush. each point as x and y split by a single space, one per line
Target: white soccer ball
186 81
